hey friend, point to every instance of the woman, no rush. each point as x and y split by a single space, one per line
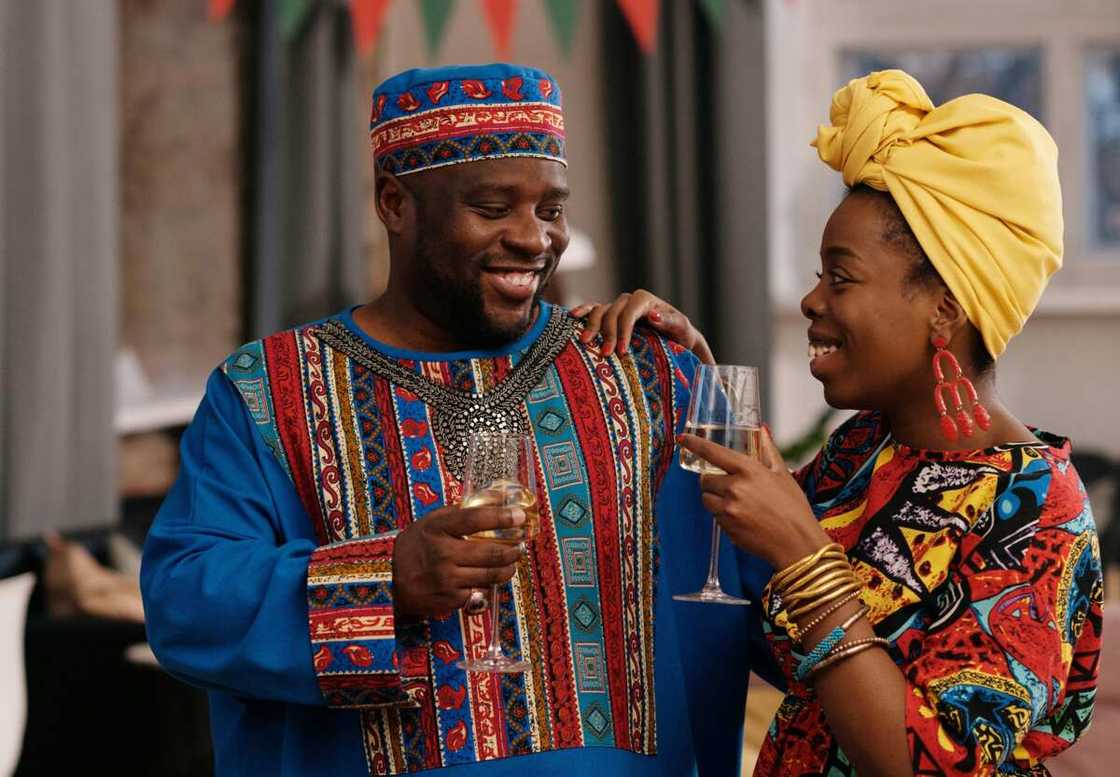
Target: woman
936 608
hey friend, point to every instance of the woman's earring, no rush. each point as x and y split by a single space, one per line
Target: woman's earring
952 427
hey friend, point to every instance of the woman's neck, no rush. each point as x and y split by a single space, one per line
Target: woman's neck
916 424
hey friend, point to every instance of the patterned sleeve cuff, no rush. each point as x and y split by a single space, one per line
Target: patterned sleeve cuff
352 626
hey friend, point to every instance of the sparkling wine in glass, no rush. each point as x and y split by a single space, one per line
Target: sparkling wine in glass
725 408
501 472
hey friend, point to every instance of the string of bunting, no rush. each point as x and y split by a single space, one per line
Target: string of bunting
368 17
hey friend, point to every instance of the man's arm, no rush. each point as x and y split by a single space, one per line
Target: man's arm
238 596
224 587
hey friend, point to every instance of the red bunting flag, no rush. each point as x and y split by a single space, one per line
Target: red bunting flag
366 17
219 9
642 16
499 18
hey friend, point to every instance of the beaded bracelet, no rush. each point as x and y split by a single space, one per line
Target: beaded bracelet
818 653
825 647
849 650
796 632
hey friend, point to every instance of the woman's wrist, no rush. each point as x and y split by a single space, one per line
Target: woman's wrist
802 540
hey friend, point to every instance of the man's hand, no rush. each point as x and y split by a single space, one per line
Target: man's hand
434 568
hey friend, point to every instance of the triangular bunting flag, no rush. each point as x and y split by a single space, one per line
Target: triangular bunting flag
499 18
366 17
564 15
435 14
713 9
219 9
293 16
642 16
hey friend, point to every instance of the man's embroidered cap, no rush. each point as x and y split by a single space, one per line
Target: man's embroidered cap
432 117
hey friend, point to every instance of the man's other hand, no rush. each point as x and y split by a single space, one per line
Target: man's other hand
435 569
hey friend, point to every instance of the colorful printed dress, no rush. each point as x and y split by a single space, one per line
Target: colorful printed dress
267 575
982 569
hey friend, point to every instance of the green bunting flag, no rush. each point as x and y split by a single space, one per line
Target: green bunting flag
435 15
713 9
564 15
293 16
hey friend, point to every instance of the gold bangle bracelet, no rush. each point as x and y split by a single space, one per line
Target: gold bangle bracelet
865 641
829 606
828 583
833 607
801 634
840 655
805 563
797 588
851 619
787 576
801 611
798 610
814 574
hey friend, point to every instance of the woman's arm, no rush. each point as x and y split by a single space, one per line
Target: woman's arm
764 511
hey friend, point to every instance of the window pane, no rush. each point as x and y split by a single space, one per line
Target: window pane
1102 82
1011 74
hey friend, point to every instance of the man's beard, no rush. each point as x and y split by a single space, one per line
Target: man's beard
458 306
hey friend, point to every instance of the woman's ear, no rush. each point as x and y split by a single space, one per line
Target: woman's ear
948 316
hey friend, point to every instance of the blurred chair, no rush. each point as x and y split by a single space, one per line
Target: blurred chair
15 593
1100 745
83 687
1101 476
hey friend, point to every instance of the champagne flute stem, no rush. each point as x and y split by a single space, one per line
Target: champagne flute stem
713 562
495 649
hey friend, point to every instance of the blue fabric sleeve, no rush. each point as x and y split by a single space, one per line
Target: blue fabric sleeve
719 645
224 595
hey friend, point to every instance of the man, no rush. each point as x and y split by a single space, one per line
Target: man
308 567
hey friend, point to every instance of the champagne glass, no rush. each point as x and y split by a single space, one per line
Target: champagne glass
501 472
724 408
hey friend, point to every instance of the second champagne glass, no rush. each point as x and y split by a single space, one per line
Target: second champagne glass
501 472
724 407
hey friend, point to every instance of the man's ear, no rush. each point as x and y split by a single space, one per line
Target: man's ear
396 207
948 317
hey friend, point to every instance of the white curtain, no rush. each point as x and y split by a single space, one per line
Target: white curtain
59 207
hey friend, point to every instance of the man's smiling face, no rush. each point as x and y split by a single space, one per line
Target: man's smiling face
486 239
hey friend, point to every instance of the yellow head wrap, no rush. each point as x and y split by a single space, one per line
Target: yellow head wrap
975 178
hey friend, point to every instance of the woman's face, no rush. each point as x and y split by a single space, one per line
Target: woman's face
869 335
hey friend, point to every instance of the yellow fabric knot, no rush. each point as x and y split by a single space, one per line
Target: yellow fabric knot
869 117
976 179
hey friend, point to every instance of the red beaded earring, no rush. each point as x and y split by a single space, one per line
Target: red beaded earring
962 425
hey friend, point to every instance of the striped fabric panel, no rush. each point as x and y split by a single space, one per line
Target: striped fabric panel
364 460
351 623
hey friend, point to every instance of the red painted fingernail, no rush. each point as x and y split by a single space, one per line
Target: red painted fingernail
654 315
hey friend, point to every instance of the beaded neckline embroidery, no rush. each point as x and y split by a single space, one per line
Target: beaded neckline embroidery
458 414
